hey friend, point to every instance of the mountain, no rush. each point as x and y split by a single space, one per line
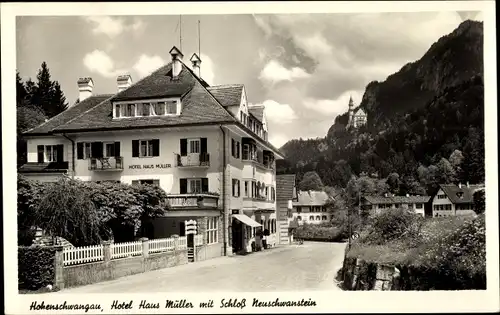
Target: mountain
416 117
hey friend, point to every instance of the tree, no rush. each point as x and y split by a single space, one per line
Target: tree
21 92
311 181
446 172
479 202
47 93
394 182
456 159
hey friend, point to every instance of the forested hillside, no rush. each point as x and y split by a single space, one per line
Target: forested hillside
425 124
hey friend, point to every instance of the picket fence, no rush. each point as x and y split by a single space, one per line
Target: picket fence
89 254
82 255
198 240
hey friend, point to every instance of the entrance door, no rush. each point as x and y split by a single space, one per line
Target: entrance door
237 231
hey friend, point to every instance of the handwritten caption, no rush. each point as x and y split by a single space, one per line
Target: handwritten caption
172 304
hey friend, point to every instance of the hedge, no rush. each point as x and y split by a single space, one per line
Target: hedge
36 267
312 232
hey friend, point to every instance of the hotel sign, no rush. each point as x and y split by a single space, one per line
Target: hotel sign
148 166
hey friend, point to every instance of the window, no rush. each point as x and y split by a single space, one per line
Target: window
171 107
144 109
324 217
311 218
117 111
110 149
441 196
418 206
194 186
299 209
236 187
318 218
246 188
238 150
145 148
87 150
212 230
159 108
194 145
129 110
154 182
246 152
299 218
50 153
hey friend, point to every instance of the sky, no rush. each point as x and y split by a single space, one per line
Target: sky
302 67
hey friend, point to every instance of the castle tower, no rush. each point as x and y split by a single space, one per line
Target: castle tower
351 111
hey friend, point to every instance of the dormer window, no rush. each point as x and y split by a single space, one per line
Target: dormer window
147 108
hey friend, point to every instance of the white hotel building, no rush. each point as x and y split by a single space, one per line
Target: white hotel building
204 145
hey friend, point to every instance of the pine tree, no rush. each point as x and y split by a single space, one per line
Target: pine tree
59 100
21 92
47 94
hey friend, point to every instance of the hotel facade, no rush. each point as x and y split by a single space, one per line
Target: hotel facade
204 145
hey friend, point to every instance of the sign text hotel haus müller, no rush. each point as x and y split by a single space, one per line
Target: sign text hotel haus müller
149 166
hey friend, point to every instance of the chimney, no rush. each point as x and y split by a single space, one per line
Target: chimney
85 86
196 62
176 61
123 82
460 185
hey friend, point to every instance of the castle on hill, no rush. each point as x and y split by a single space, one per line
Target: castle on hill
357 117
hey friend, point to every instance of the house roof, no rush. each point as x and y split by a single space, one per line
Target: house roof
257 112
396 199
199 106
452 191
311 198
52 167
227 95
285 185
359 112
70 113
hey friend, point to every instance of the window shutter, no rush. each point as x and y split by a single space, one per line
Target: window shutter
239 187
232 147
96 148
183 185
184 147
60 152
156 147
117 149
233 192
203 145
204 185
79 150
135 148
40 151
237 150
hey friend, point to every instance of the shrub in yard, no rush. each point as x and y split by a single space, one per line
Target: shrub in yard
394 224
36 267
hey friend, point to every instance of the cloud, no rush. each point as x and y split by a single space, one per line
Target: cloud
274 72
279 113
113 26
206 68
100 62
147 64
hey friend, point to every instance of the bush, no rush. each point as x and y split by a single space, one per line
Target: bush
394 224
318 233
36 267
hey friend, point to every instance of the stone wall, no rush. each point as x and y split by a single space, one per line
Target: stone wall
359 275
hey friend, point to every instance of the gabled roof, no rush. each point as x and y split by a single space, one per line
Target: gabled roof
396 199
227 95
285 186
70 113
453 192
257 111
311 198
359 112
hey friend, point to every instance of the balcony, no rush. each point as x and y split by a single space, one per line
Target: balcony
258 203
106 164
193 201
193 160
259 164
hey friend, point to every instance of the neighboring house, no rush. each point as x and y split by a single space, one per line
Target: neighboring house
376 204
357 117
451 200
286 193
204 145
310 207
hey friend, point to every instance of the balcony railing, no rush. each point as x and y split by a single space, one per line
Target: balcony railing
201 200
106 164
193 160
256 162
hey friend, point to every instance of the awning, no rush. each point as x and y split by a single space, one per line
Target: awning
246 220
